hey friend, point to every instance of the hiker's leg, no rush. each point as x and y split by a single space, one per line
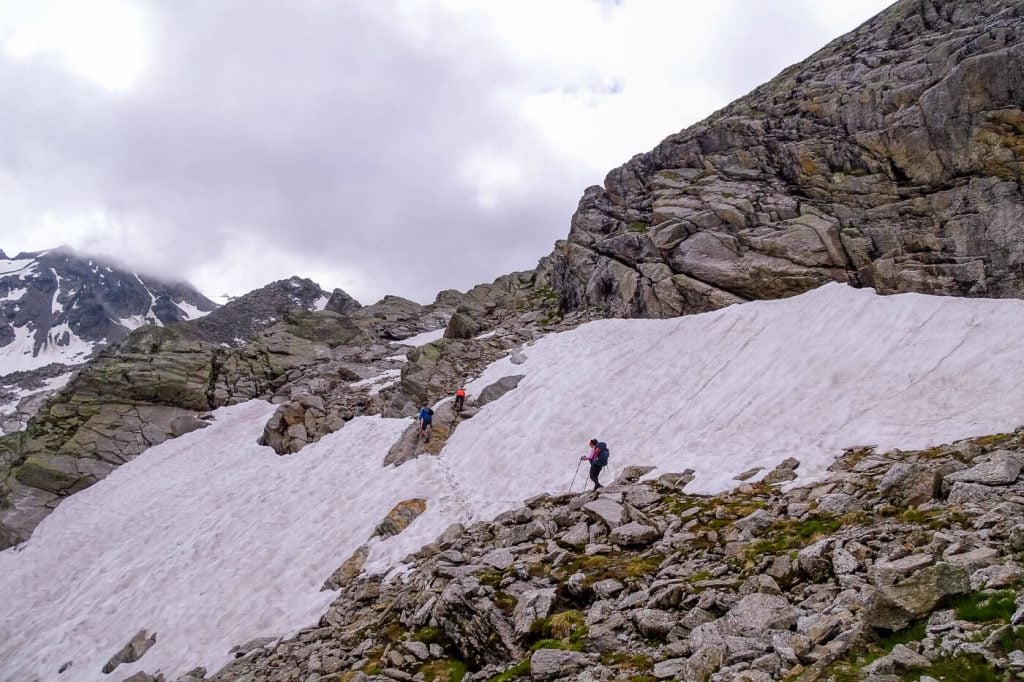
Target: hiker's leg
595 471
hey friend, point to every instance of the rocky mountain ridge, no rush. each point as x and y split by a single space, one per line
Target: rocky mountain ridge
892 158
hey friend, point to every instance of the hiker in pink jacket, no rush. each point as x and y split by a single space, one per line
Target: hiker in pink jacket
598 459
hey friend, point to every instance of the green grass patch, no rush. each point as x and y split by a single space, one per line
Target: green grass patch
985 607
444 671
566 631
520 669
622 566
855 518
429 635
698 576
914 632
918 516
931 453
561 644
849 669
394 632
622 661
540 628
643 565
490 577
812 529
567 624
993 440
505 602
638 226
963 668
783 536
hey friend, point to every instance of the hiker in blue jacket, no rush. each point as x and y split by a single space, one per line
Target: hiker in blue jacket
598 459
426 419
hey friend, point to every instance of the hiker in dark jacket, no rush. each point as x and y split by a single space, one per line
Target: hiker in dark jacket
426 419
598 459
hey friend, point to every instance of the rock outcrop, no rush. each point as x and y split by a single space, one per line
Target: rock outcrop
892 158
239 320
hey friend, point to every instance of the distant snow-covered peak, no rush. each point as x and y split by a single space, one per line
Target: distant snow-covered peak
58 306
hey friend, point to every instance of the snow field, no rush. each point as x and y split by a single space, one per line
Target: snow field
423 338
191 311
17 356
210 540
745 386
14 295
23 267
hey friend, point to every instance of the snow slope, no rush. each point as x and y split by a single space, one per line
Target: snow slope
423 338
62 345
210 540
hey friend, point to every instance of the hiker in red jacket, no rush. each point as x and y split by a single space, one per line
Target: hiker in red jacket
460 399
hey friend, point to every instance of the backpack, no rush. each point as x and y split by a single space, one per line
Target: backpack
430 412
602 455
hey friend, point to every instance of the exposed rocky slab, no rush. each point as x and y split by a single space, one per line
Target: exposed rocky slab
131 652
892 158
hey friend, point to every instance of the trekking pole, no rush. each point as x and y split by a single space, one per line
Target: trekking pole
574 475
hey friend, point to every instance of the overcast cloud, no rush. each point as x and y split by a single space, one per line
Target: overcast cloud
380 147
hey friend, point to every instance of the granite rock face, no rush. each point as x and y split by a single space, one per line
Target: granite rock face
892 158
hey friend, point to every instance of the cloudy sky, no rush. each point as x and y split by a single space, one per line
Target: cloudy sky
374 145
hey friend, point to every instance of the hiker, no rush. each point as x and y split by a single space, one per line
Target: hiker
598 459
425 418
460 399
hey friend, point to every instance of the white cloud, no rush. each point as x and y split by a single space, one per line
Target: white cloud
394 147
103 41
